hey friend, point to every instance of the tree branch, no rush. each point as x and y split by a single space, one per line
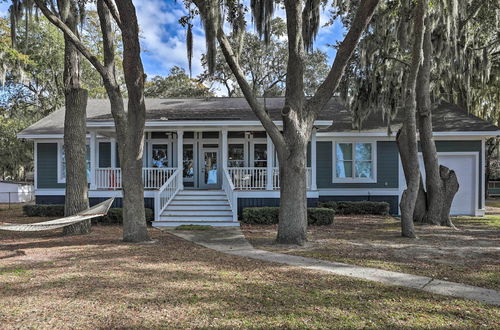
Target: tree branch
346 49
256 106
114 12
54 19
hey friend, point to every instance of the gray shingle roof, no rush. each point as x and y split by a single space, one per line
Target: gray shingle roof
446 118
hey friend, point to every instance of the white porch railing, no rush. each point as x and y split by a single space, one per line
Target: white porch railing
152 177
167 192
228 187
255 178
248 178
276 178
108 178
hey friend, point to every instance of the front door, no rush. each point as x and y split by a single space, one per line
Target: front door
210 175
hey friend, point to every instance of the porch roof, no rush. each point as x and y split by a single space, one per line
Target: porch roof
236 111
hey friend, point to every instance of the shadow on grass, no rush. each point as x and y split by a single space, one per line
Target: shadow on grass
98 281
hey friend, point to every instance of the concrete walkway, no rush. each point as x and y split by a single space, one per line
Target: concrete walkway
232 241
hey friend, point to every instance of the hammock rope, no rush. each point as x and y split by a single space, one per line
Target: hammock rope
98 210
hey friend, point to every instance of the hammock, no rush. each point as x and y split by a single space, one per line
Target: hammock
98 210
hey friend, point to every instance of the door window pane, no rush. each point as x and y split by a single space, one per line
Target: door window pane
160 155
236 155
187 161
210 167
260 155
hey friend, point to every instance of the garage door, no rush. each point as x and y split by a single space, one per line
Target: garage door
465 166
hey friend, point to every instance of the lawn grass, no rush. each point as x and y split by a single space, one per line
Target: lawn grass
469 255
491 220
493 203
97 281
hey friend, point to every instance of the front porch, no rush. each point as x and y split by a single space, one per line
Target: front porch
203 156
228 163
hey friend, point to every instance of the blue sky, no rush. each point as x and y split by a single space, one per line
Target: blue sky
163 39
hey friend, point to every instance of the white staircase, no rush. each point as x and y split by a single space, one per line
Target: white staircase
197 207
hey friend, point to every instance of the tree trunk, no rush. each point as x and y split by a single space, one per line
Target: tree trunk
135 226
292 227
75 146
408 133
450 188
412 177
421 203
433 181
134 218
441 184
76 199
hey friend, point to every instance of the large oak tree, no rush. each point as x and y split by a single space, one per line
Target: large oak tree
129 125
299 112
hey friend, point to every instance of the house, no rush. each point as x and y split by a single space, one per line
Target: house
207 159
15 192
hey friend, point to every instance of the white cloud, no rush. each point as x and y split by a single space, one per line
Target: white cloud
4 9
164 39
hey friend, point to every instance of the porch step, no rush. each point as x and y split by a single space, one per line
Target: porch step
198 218
188 212
200 207
161 223
201 192
192 203
209 197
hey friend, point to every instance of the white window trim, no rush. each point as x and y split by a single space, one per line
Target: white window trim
253 142
60 178
168 142
354 179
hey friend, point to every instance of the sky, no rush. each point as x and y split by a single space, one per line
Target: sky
163 38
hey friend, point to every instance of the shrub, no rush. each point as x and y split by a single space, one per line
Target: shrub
318 216
261 215
42 210
270 215
328 205
114 216
359 207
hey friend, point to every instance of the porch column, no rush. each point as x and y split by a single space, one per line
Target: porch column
113 152
180 154
313 160
92 159
224 149
269 170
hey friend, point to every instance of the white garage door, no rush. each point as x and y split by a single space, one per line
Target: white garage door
465 166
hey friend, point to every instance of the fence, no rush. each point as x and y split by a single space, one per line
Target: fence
16 197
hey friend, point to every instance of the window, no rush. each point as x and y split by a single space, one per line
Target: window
62 163
236 155
188 162
159 155
260 155
354 161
